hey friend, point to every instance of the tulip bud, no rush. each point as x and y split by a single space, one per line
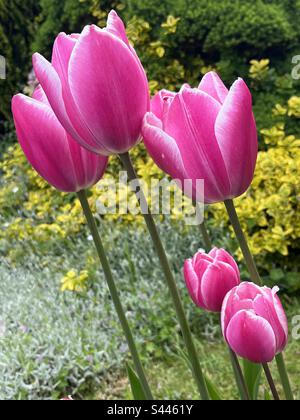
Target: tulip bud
254 323
209 277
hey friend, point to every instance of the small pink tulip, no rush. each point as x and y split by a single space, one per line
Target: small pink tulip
50 149
206 133
209 277
254 322
97 87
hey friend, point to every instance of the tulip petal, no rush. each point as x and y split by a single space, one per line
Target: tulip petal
222 255
214 86
190 121
248 290
51 84
201 256
110 93
41 140
201 264
158 100
226 311
62 50
116 26
251 337
264 305
280 313
193 284
231 305
89 167
56 94
217 281
236 133
40 95
51 152
162 148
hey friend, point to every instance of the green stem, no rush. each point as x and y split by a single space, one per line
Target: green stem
114 293
239 377
271 382
204 232
197 371
255 277
284 377
238 373
206 238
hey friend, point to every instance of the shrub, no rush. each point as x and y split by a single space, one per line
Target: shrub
226 32
16 34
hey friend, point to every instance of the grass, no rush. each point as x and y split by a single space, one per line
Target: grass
170 379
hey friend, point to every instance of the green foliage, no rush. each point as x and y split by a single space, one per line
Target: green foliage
213 390
59 16
225 32
252 374
135 384
16 34
68 343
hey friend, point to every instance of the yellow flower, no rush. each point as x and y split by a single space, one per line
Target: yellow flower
74 282
294 107
259 69
171 24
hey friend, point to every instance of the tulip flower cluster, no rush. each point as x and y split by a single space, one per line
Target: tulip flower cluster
206 133
253 321
92 102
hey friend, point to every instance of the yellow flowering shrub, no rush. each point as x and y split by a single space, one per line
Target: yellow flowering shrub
259 69
291 109
29 208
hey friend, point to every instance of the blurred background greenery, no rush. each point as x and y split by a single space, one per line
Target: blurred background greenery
42 232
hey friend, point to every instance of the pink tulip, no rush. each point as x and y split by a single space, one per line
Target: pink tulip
209 277
206 134
50 149
254 322
97 87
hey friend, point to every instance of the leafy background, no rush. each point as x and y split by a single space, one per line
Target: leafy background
52 342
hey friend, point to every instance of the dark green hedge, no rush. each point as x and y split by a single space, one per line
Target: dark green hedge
226 32
17 24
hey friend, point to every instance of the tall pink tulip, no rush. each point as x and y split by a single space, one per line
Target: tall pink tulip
209 277
97 87
254 322
206 133
50 149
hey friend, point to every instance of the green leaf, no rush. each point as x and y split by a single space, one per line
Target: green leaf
252 373
277 275
267 396
136 387
212 390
